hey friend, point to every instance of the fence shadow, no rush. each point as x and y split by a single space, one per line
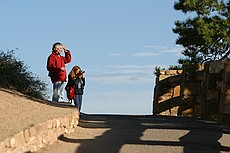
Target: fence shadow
129 130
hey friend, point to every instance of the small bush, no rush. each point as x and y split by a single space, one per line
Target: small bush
175 67
15 75
157 70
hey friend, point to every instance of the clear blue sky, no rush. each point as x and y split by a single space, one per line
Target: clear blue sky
117 42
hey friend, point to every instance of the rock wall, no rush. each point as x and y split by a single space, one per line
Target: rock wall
39 135
216 91
191 90
201 91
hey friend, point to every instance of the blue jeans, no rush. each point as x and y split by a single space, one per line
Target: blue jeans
78 101
58 91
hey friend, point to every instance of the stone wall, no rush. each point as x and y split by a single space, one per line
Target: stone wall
201 91
37 136
216 91
191 90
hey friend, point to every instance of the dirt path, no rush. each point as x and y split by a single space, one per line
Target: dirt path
142 134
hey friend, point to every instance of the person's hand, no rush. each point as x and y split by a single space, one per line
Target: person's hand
64 48
62 68
82 76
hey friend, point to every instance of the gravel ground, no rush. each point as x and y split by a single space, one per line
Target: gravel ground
19 112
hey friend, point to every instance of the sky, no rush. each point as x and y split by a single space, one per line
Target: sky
117 42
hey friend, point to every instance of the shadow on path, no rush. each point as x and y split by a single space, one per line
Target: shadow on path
128 130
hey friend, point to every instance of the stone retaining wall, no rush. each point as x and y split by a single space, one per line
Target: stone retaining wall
37 136
193 75
216 91
204 92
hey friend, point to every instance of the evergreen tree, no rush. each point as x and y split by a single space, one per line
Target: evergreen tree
206 35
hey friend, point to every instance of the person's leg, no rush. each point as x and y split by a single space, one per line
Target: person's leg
58 91
61 91
78 101
55 92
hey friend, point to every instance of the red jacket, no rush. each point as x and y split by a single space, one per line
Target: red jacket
54 64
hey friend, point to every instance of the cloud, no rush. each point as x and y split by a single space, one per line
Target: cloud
122 79
145 54
114 54
174 50
124 74
158 53
159 50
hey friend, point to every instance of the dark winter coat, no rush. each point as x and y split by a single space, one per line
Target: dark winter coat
79 84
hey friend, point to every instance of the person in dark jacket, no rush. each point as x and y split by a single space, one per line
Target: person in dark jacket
76 78
57 70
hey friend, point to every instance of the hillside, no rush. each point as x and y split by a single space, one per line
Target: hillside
19 112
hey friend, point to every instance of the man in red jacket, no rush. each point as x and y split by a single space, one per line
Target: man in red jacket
57 71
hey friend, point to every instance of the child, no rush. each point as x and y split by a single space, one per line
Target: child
76 78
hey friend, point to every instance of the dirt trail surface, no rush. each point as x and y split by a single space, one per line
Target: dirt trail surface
19 112
142 134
